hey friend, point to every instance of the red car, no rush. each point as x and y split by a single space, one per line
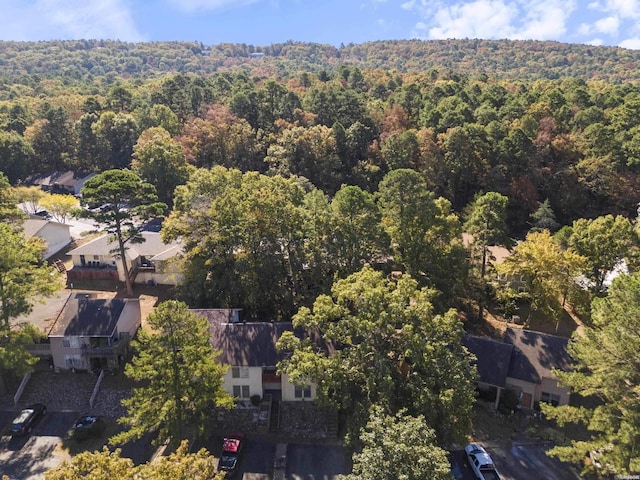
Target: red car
232 446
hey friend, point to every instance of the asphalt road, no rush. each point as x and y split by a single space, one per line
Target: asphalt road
520 462
28 457
304 462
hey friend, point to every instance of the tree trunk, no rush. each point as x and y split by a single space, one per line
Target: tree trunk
3 384
123 259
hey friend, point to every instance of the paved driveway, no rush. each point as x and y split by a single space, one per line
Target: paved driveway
315 462
28 457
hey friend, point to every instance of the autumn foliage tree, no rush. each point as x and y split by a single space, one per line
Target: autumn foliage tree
385 346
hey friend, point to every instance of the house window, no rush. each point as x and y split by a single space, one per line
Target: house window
240 372
550 398
96 257
303 392
66 343
73 361
241 391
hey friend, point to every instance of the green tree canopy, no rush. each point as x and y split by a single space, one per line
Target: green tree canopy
23 278
106 465
547 270
9 199
426 236
398 447
385 346
179 374
604 242
239 230
607 356
160 161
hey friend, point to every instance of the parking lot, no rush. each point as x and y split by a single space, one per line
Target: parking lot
520 462
304 461
28 457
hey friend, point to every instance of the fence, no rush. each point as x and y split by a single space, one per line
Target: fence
20 391
96 388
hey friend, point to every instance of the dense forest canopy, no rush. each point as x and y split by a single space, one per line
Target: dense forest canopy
508 59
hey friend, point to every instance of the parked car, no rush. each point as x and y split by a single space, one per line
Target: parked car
27 418
87 426
232 447
481 463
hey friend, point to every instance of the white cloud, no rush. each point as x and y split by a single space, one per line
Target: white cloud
607 25
623 8
67 19
515 19
544 20
585 29
197 5
477 19
596 42
631 43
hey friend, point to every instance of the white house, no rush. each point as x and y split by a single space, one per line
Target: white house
149 262
56 235
249 348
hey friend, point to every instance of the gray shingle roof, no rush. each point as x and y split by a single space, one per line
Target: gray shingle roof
493 358
536 354
251 344
88 317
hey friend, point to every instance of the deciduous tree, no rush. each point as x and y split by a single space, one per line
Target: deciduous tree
547 270
105 464
59 206
23 278
385 346
604 242
29 197
398 446
160 161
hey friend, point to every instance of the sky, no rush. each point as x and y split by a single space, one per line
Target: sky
335 22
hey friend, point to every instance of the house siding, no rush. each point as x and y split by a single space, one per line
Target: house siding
524 387
550 385
130 318
289 391
59 353
254 381
57 236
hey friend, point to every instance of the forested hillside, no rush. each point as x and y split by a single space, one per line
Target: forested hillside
307 178
523 60
559 150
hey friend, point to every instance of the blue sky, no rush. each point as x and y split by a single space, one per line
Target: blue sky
263 22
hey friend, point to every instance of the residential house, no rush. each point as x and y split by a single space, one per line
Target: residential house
534 357
522 362
249 348
149 262
55 235
93 333
60 182
493 358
